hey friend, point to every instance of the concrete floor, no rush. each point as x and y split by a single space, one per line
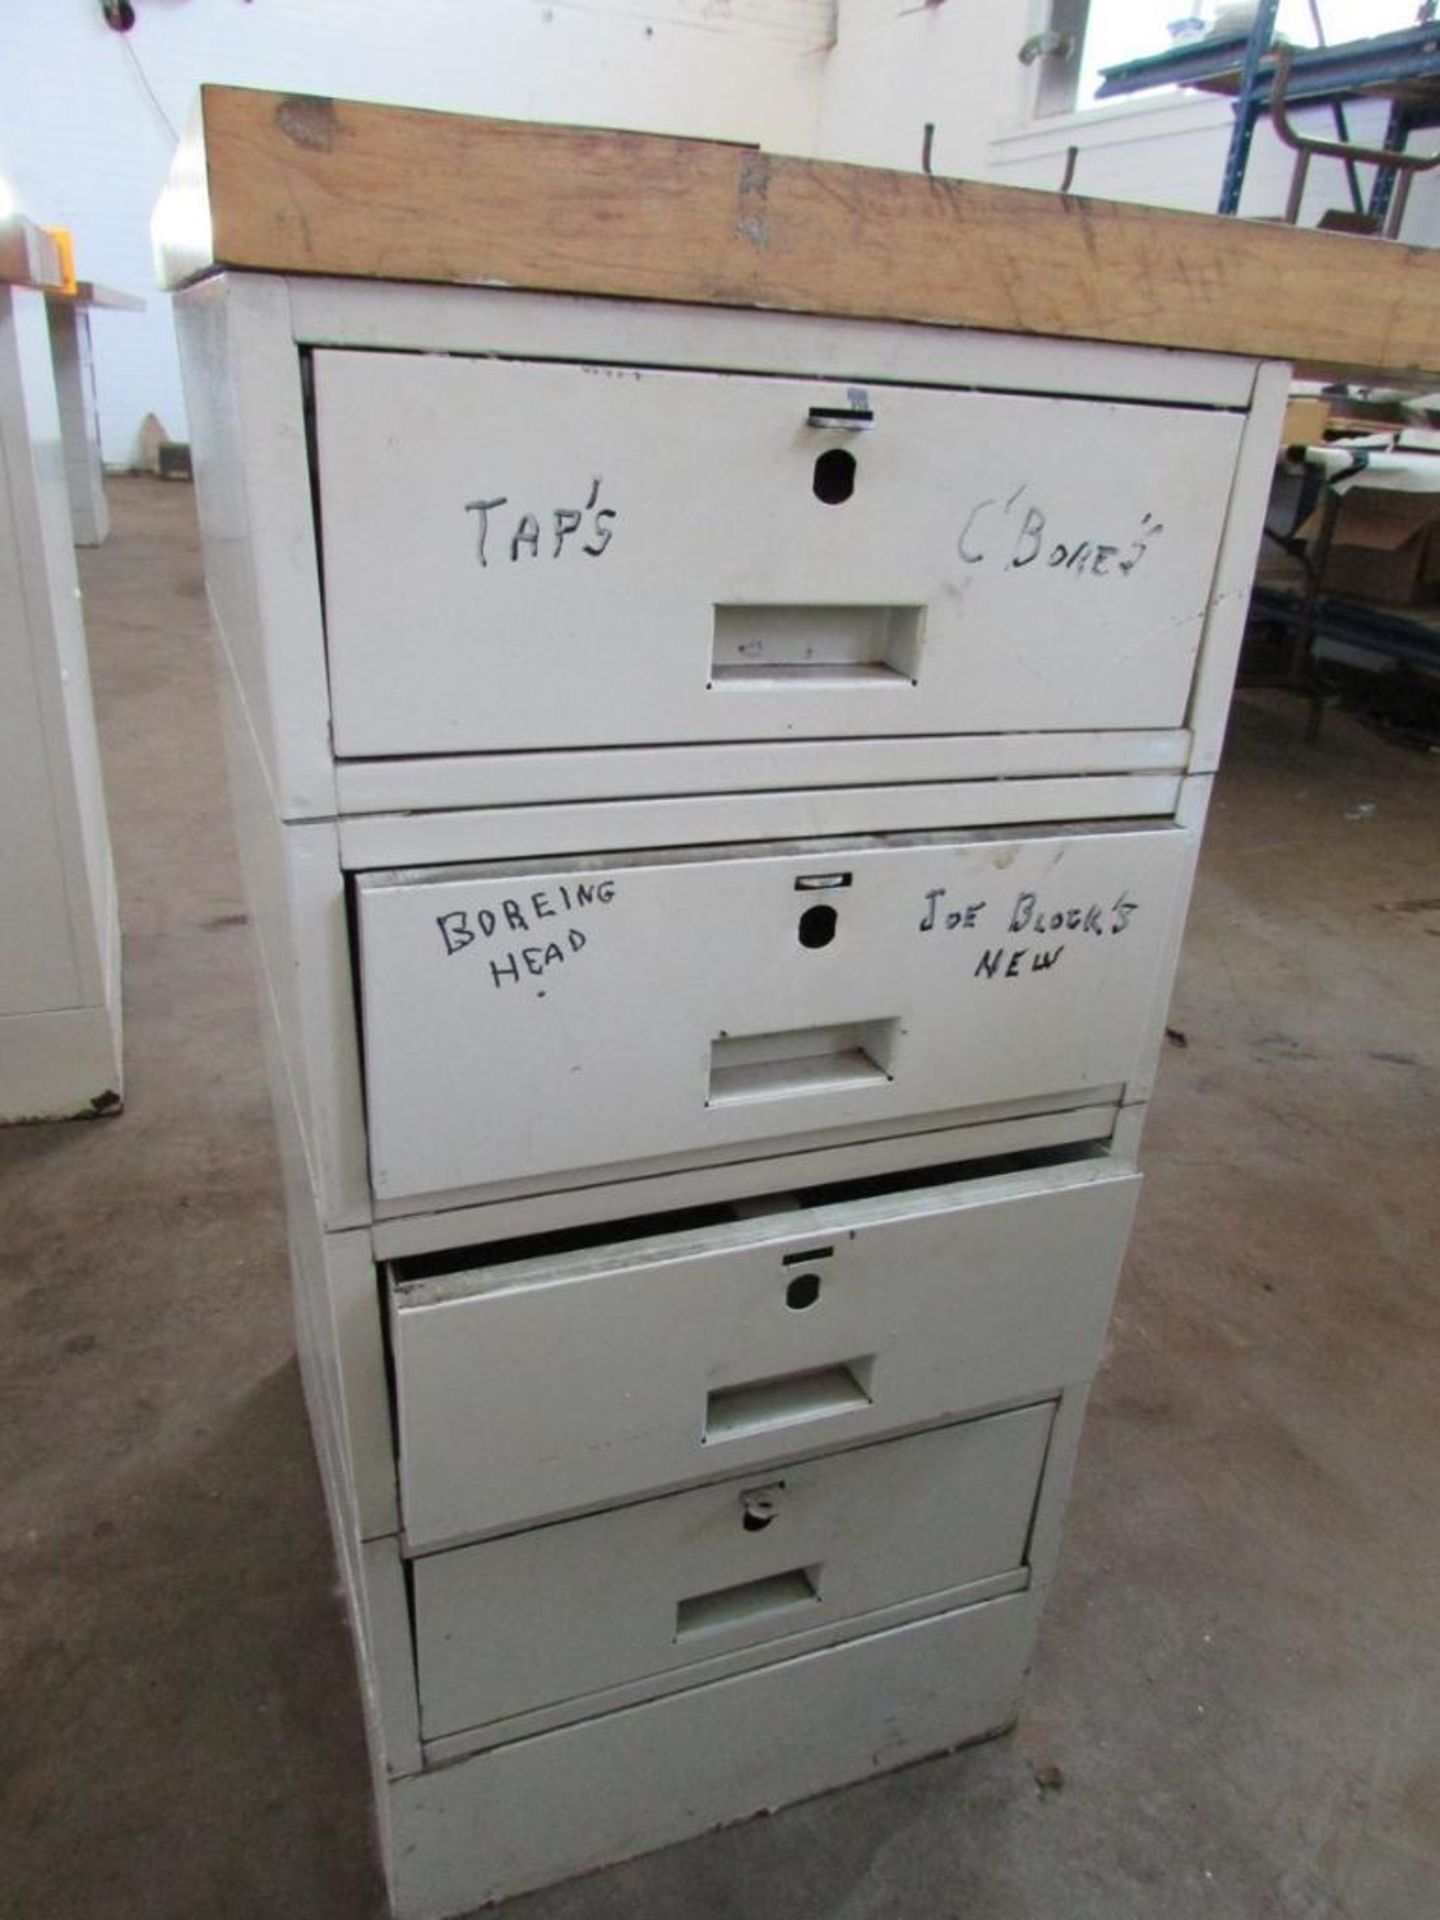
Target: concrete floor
1234 1707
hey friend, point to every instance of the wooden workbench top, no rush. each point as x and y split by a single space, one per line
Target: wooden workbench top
304 185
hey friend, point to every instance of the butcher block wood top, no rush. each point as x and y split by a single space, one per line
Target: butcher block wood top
293 184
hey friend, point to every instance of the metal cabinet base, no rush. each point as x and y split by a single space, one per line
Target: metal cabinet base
539 1809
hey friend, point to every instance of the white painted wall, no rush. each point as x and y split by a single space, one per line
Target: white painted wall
85 146
897 64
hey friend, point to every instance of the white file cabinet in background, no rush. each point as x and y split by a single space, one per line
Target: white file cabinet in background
719 791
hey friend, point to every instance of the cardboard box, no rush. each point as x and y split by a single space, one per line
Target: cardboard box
1306 418
1386 546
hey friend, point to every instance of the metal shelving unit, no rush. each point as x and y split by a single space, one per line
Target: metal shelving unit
1403 67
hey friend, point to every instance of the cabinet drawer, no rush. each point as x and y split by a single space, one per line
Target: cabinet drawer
567 1611
534 1387
523 556
523 1021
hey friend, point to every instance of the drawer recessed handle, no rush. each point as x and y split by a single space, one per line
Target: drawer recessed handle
748 1604
859 648
787 1400
810 1060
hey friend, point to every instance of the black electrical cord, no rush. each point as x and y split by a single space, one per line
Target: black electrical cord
154 97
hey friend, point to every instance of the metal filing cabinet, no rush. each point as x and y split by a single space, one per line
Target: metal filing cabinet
718 792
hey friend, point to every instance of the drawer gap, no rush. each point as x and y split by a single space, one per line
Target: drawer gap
499 1254
784 1400
751 1600
911 1180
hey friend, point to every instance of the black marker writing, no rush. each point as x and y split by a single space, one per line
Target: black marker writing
1018 538
965 916
479 926
564 522
511 967
567 519
484 509
995 964
527 534
1033 915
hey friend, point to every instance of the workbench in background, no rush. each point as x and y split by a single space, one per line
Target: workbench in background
59 924
69 311
1400 68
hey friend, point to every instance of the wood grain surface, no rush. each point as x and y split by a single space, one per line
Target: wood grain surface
307 185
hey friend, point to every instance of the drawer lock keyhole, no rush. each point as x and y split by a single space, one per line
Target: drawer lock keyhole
834 476
802 1292
817 926
760 1506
